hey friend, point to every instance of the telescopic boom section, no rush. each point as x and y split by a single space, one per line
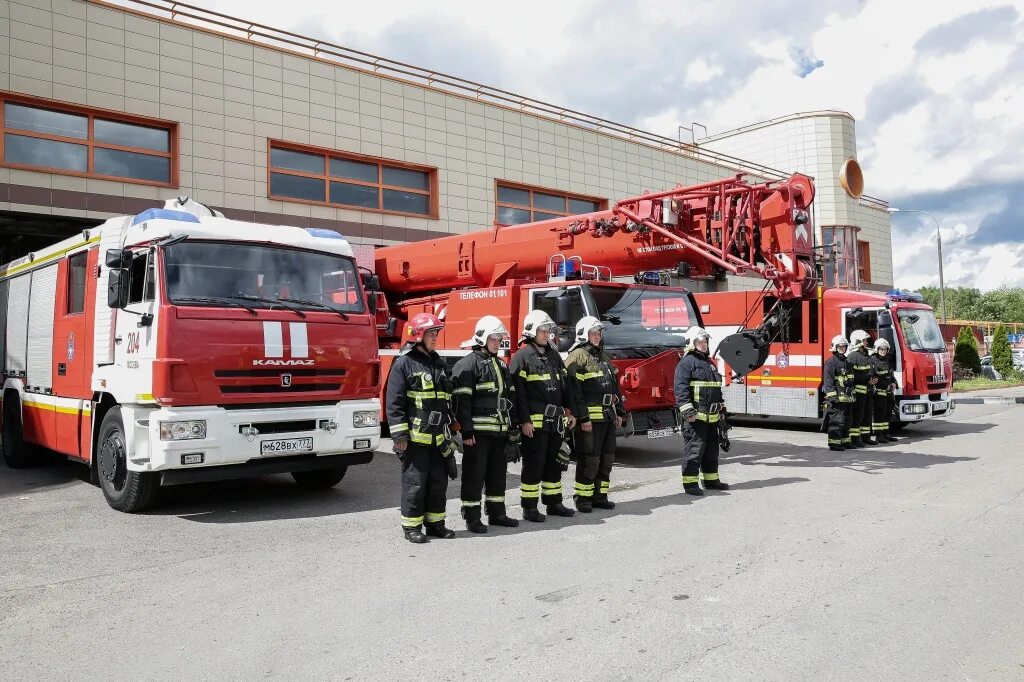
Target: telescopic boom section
700 231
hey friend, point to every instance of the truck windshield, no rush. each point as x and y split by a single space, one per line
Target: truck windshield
261 276
920 331
643 321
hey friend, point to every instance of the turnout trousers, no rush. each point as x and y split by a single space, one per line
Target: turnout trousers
700 451
860 417
595 456
484 468
424 486
880 420
541 477
839 423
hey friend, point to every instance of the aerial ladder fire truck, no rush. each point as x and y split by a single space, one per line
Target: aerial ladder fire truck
176 345
568 267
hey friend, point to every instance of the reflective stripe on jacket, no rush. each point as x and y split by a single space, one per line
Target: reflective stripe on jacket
418 386
592 370
484 394
837 379
698 387
540 382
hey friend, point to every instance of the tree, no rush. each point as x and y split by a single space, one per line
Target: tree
1002 355
965 353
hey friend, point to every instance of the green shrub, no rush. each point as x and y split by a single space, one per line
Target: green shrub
966 351
1002 354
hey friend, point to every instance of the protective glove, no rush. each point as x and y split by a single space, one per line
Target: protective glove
451 466
564 456
512 452
400 447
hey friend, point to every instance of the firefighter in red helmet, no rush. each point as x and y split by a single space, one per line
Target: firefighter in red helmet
422 424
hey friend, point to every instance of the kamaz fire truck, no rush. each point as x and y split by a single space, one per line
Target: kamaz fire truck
176 346
568 266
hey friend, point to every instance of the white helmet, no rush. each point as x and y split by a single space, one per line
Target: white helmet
486 326
882 343
536 319
839 340
693 334
859 338
584 327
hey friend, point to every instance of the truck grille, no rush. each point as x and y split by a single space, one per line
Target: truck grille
294 426
273 373
267 388
278 380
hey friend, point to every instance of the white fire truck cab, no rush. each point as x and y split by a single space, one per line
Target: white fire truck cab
177 345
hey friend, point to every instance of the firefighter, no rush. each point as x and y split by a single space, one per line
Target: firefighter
863 378
698 389
483 397
837 385
420 417
885 391
547 408
591 369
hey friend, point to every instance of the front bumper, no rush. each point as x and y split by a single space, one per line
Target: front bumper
919 408
226 444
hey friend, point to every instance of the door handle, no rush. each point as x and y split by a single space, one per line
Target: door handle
117 339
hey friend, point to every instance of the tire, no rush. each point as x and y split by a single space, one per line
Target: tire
17 453
126 491
319 479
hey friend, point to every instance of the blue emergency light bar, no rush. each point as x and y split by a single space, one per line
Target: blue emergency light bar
908 296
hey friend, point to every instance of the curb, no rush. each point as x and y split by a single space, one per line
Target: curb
989 400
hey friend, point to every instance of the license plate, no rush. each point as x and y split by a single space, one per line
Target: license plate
286 446
936 407
659 433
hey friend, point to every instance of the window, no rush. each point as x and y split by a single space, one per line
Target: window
864 261
140 279
793 312
521 204
76 282
75 140
546 300
812 325
323 176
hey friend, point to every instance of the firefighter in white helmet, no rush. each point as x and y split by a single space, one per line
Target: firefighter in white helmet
698 389
547 409
885 391
863 380
596 379
837 385
483 396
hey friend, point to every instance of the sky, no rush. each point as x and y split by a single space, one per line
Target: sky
937 88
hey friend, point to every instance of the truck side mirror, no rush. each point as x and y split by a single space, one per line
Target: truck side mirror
885 329
374 283
115 259
117 288
371 302
563 311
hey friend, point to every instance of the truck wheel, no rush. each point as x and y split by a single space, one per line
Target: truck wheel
319 479
17 453
126 491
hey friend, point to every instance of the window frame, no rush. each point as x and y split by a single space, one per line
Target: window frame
864 261
602 203
432 194
89 142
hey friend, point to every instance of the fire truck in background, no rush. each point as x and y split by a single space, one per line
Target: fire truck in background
567 267
799 333
176 346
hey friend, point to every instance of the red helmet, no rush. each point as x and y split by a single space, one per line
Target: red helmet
420 324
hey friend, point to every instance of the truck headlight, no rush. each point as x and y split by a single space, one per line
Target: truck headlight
191 430
364 419
915 408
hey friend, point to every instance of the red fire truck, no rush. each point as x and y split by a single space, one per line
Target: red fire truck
177 346
800 332
566 266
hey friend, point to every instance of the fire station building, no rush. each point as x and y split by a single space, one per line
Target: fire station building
110 109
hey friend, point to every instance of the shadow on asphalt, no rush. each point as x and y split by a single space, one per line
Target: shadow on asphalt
50 471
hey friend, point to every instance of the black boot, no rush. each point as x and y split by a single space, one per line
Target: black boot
531 514
602 502
693 489
559 509
837 448
584 504
438 530
868 441
891 438
415 535
855 443
715 485
496 516
472 516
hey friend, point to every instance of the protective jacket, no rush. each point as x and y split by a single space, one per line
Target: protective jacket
542 389
863 369
597 383
884 373
419 397
698 387
484 394
838 380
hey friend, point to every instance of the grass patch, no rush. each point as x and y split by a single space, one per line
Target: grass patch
981 384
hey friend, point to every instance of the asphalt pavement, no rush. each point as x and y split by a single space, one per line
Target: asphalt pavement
898 562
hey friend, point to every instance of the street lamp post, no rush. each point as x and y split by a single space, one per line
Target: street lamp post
938 241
